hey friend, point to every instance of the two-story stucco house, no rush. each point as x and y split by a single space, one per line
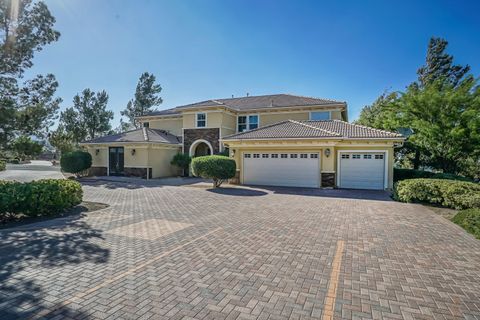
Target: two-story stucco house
281 140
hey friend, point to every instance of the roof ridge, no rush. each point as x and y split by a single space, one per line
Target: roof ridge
310 97
370 128
309 126
145 134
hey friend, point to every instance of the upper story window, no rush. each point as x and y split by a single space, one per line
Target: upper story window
249 122
146 124
320 115
201 120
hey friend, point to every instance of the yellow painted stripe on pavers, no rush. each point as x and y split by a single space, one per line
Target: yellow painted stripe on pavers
121 275
329 307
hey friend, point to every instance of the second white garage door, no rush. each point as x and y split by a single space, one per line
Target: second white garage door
362 170
281 169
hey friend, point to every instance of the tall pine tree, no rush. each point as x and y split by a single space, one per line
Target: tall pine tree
146 97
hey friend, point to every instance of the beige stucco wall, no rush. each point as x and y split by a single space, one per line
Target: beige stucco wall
139 159
229 124
173 126
269 118
100 159
214 119
159 161
336 115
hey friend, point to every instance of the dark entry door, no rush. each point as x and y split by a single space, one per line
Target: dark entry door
116 161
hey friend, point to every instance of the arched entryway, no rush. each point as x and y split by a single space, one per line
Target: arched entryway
200 148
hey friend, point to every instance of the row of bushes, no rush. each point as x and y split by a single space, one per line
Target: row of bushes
38 198
447 193
404 174
3 165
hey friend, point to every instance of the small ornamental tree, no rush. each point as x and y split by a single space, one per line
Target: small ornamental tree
75 162
218 168
182 161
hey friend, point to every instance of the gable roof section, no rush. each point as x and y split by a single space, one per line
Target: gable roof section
252 103
139 135
291 129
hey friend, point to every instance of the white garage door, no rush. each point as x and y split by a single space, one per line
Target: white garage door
362 170
281 169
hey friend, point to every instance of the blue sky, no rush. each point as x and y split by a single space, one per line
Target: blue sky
201 49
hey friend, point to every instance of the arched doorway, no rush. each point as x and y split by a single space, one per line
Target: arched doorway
200 148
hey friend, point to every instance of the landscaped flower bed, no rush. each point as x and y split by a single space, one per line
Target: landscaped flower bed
38 198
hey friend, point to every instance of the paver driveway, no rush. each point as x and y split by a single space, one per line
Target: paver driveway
189 253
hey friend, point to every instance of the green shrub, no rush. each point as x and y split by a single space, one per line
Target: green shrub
448 193
14 161
76 161
403 174
182 160
469 220
3 165
38 198
218 168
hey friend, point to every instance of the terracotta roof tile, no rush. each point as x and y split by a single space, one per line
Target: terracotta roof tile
314 129
139 135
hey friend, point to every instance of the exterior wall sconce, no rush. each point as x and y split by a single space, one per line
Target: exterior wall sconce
97 151
133 152
232 154
327 152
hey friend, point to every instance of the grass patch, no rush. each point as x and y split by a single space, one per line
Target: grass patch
469 220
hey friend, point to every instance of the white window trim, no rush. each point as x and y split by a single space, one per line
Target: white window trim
196 119
248 121
329 115
385 177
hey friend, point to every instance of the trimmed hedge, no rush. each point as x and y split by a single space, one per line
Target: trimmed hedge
3 165
218 168
448 193
403 174
38 198
469 220
76 161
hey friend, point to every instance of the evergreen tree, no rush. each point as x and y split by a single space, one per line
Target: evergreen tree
88 118
146 97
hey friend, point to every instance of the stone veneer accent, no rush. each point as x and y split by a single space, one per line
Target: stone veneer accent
138 172
328 180
212 135
97 171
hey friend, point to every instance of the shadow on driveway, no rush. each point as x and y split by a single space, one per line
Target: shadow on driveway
25 251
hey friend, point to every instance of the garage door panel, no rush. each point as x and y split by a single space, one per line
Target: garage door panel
362 170
292 172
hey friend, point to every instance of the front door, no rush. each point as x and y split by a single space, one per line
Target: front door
116 161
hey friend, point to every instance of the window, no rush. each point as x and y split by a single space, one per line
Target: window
367 156
284 156
345 156
146 124
304 156
256 155
356 156
242 123
314 156
265 155
379 156
274 156
293 156
320 115
201 120
249 122
247 155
